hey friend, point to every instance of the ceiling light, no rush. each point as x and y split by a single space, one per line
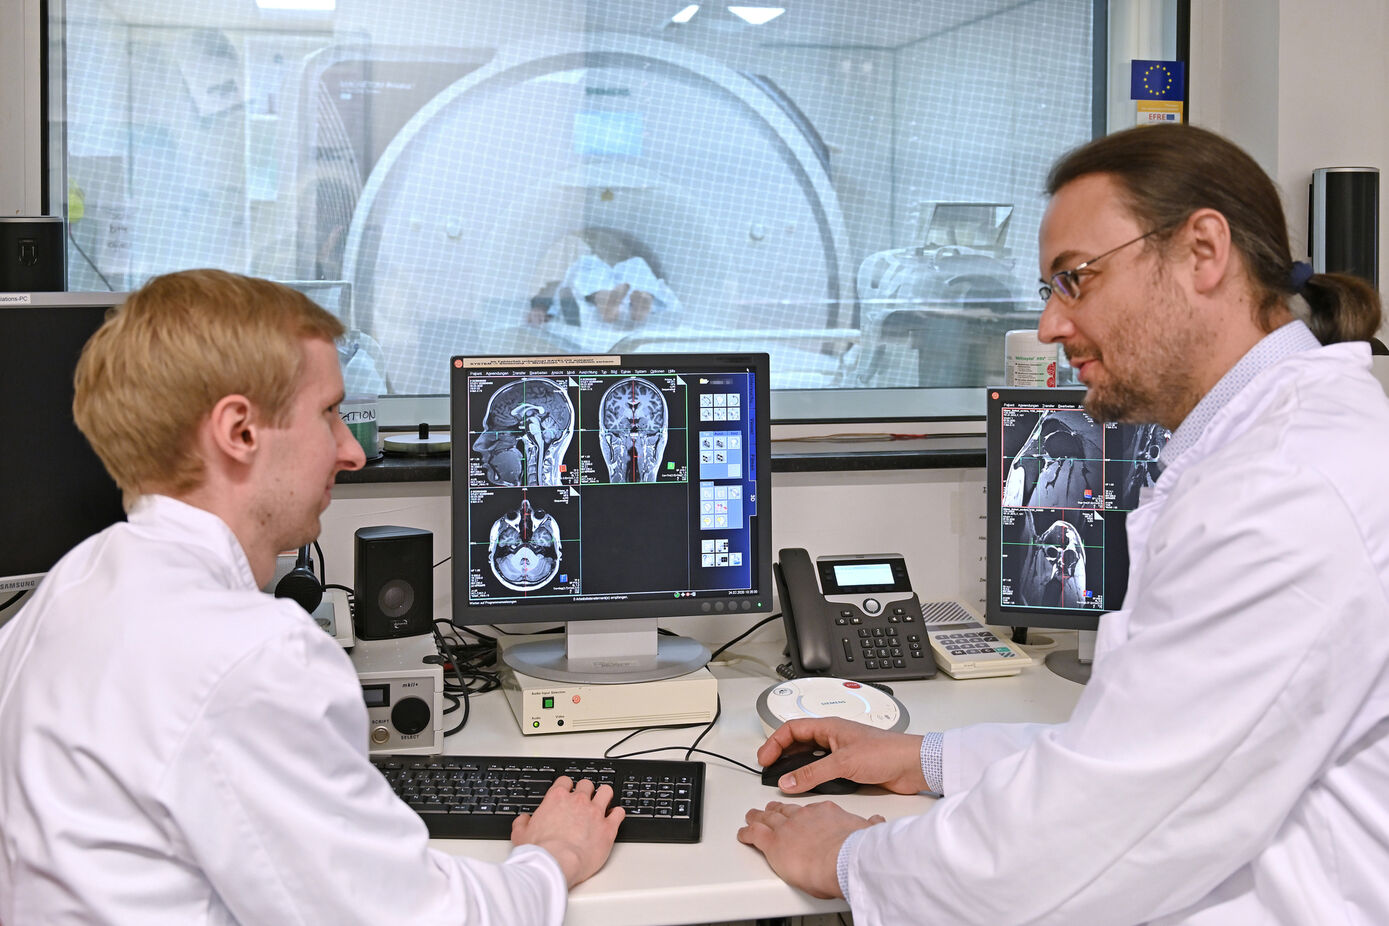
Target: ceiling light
757 15
686 14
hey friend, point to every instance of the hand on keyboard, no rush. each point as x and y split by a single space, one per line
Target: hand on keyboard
574 825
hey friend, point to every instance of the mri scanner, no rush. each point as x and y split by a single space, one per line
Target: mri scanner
615 145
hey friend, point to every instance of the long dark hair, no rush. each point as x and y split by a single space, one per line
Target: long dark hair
1167 172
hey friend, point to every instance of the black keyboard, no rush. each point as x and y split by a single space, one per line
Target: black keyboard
477 797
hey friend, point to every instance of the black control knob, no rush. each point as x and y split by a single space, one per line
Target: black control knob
410 715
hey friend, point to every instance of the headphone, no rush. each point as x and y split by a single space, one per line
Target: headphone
300 584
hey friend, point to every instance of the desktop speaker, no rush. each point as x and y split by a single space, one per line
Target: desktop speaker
32 255
1343 222
394 582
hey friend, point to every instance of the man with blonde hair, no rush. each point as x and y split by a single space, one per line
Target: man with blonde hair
177 746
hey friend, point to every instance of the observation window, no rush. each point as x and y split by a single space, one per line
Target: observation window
854 188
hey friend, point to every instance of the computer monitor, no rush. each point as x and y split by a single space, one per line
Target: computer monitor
1059 487
54 492
608 492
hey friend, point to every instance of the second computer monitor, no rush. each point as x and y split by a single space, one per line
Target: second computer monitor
610 487
1059 488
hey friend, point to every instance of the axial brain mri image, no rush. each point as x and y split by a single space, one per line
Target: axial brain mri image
524 548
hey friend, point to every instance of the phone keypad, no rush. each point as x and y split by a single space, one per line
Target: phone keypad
978 643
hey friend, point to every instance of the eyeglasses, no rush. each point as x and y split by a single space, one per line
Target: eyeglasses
1066 283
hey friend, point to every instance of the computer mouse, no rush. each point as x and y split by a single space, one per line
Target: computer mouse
790 761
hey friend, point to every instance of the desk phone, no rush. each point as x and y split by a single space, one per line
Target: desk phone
852 616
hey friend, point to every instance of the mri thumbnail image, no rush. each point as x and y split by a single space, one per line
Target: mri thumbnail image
525 432
523 550
1053 558
1133 464
1053 459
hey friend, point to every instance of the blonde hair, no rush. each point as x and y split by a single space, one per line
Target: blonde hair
170 352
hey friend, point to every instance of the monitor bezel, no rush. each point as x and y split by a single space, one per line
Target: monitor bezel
465 614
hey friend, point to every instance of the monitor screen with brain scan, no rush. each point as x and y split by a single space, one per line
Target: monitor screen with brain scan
609 486
1059 488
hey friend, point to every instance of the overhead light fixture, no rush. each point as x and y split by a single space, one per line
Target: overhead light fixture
686 14
309 6
757 15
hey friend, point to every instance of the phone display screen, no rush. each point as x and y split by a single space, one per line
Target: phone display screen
859 574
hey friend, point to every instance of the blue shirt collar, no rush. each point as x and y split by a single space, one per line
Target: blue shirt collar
1292 338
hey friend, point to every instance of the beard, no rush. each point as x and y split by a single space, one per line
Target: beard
1146 369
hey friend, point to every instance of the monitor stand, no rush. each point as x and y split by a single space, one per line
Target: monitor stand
1074 664
608 653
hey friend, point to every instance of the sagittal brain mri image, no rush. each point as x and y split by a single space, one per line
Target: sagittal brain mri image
1059 465
526 431
632 430
524 548
1053 568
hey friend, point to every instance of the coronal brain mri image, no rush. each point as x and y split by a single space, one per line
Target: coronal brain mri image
1059 463
525 433
524 548
633 429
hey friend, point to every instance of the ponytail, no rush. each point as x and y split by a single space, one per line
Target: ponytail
1343 307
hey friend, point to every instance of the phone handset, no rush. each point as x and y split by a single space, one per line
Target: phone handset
803 612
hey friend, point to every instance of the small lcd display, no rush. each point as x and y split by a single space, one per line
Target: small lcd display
858 574
377 695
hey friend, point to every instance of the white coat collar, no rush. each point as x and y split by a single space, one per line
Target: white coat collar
170 520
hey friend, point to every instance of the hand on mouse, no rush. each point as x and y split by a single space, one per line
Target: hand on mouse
802 842
857 751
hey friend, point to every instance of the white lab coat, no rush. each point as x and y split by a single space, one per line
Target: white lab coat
178 747
1228 762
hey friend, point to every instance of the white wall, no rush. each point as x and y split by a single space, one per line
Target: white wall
1301 85
934 518
20 178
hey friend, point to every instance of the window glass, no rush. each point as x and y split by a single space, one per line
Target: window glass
853 187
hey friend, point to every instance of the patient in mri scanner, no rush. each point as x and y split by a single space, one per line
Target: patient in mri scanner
621 296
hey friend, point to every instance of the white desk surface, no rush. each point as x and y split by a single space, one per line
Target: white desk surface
720 879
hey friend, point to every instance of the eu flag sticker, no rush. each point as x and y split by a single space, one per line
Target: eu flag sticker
1157 80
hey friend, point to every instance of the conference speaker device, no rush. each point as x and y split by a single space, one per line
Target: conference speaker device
393 582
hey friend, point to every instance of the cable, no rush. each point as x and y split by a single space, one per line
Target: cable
442 561
322 570
766 620
689 750
467 662
13 598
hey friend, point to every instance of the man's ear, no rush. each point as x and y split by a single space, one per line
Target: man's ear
233 428
1208 235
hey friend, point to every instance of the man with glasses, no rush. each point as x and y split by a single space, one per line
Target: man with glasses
1229 760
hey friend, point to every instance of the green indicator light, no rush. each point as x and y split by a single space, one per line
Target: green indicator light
536 724
548 703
